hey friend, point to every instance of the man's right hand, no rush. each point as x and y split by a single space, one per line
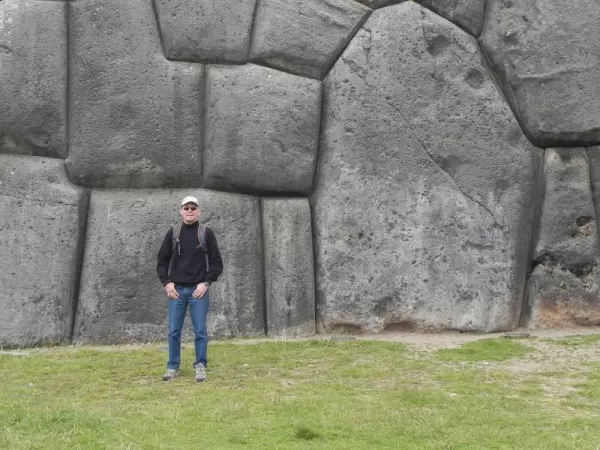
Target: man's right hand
171 291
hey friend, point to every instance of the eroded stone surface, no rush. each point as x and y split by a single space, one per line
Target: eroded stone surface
33 78
425 183
289 267
467 14
262 130
304 37
121 298
563 288
135 118
547 52
213 31
42 217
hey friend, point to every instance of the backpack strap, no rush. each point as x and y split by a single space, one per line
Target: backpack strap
202 242
175 244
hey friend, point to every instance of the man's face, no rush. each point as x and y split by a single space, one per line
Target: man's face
190 212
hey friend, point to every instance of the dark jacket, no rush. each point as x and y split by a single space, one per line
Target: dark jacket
189 267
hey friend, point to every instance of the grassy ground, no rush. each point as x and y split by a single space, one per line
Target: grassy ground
488 394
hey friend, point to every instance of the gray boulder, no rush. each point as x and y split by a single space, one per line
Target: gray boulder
262 129
547 53
304 37
214 31
33 70
289 268
425 183
41 235
563 287
121 298
135 118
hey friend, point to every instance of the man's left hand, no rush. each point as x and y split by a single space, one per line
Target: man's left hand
200 290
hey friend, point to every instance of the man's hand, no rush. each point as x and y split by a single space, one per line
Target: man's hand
200 290
171 291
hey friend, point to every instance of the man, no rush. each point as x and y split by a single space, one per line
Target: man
182 269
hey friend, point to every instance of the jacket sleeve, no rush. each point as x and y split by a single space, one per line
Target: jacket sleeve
214 257
164 258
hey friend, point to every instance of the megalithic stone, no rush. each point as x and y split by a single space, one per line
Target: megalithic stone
33 78
121 298
207 31
42 221
547 54
135 118
289 267
304 37
423 205
563 286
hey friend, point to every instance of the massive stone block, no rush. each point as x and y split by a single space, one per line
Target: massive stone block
563 287
304 37
42 217
262 130
121 298
547 52
289 268
215 31
425 183
135 119
33 74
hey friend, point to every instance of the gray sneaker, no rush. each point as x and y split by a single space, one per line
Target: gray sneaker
200 372
170 374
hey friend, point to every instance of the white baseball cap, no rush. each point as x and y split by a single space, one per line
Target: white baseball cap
190 200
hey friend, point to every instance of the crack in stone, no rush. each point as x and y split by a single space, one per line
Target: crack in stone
430 158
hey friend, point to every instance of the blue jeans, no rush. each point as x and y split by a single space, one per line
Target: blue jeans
198 313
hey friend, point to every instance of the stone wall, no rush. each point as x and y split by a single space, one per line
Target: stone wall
365 165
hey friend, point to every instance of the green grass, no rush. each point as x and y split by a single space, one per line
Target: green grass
575 341
485 350
296 395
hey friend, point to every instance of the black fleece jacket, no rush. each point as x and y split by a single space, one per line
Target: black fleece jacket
190 266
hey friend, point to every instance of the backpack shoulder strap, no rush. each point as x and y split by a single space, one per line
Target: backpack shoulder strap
175 237
174 245
202 242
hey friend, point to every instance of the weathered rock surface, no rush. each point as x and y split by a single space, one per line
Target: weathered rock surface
563 288
547 52
304 37
206 30
262 130
135 118
121 298
33 74
467 14
289 267
425 182
42 217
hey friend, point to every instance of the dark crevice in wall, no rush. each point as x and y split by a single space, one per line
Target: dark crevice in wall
252 29
203 121
539 194
158 27
68 80
594 184
84 212
357 28
264 266
505 91
420 3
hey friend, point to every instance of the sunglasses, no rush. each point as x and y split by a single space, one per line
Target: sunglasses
189 208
